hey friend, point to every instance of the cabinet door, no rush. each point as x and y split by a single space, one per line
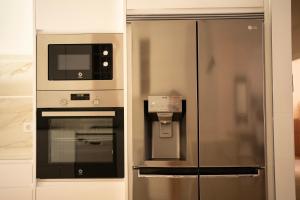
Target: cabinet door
163 4
16 194
16 175
79 16
88 189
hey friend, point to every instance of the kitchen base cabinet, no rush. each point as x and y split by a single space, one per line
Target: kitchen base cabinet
16 193
16 174
106 190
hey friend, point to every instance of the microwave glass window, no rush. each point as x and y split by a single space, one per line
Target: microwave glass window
84 140
73 62
80 62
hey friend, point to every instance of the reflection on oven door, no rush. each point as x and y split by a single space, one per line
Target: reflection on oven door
62 146
94 147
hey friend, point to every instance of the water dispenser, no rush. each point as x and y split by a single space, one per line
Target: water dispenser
165 127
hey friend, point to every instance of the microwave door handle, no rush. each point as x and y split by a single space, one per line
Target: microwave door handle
78 114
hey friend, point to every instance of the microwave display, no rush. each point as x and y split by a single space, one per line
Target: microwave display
80 62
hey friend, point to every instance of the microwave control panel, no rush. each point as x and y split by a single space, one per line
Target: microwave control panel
105 61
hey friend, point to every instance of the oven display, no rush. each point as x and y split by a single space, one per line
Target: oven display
80 96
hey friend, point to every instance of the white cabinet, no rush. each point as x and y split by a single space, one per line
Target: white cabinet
87 190
80 16
16 174
16 182
193 4
16 193
16 32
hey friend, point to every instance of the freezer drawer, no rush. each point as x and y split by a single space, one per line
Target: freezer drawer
232 187
164 187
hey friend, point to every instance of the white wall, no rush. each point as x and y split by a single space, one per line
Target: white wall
16 20
80 16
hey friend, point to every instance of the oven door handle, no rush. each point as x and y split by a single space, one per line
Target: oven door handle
78 114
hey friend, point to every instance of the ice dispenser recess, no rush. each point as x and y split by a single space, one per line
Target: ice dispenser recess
165 127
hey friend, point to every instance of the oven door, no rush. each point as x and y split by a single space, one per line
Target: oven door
80 143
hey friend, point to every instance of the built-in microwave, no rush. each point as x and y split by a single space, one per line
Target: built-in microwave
79 61
81 139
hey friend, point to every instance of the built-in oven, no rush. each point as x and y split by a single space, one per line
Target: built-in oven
80 142
79 61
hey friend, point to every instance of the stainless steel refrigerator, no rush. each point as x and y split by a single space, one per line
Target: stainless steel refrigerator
197 109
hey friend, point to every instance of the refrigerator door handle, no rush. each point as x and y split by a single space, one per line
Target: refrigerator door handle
165 176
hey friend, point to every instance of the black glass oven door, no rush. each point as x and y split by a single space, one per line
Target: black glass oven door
83 144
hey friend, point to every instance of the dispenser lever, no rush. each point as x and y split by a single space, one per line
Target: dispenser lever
165 124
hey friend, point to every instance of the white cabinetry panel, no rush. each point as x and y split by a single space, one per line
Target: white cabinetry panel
80 16
15 175
184 4
104 189
16 32
16 194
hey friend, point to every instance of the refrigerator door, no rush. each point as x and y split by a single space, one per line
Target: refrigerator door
164 187
164 63
231 93
230 187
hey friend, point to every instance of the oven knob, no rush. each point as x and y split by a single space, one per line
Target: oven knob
105 64
105 52
96 101
64 102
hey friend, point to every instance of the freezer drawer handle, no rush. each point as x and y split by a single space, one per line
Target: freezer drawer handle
164 173
79 114
232 175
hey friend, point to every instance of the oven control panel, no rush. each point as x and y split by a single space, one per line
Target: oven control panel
80 96
61 99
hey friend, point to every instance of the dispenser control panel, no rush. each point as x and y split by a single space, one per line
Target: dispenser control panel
165 104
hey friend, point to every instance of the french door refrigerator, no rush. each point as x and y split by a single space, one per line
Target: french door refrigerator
214 69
